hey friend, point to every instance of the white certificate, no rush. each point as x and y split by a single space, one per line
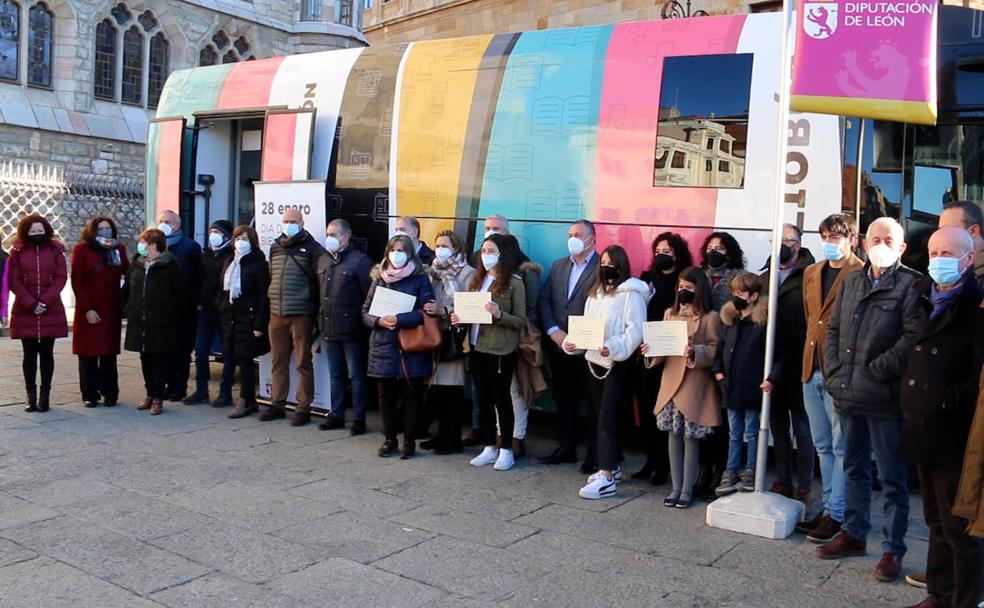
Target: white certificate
586 333
390 302
665 338
470 307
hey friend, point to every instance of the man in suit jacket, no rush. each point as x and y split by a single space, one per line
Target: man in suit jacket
564 294
821 284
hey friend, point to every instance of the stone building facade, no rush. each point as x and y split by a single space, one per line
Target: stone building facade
80 79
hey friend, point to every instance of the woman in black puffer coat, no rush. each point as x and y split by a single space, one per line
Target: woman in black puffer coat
245 311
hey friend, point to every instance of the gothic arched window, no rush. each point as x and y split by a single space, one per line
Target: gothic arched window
39 45
9 39
105 75
132 57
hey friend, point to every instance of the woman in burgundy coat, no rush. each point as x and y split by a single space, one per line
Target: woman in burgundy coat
98 265
37 276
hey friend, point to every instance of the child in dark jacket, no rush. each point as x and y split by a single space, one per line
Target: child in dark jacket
739 369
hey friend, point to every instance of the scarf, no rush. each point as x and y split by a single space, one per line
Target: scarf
447 273
176 236
392 275
233 279
111 255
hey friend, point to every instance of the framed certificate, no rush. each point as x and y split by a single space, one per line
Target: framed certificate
665 338
470 307
389 302
586 333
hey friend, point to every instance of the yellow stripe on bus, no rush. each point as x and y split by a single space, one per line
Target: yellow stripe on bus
915 112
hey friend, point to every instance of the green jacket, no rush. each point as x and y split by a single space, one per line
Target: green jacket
502 336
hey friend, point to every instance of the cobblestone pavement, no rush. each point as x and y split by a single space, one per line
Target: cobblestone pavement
110 507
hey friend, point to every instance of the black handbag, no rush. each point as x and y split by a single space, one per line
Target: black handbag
453 344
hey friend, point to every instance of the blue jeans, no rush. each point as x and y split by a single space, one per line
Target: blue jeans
347 361
744 425
862 436
208 339
825 427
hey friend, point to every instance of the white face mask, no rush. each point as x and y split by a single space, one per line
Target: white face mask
490 260
166 229
442 254
332 244
243 247
575 246
489 233
215 240
398 259
398 232
882 256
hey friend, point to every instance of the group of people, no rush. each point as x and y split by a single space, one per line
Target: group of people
873 361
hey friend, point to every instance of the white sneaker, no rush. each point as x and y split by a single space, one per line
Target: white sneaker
505 461
488 456
616 475
599 487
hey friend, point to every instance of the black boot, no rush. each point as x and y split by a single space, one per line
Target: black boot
43 398
32 399
705 479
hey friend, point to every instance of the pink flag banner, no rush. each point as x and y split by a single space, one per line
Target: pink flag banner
867 59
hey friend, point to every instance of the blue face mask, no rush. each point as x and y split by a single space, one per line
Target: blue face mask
291 230
944 271
142 249
832 252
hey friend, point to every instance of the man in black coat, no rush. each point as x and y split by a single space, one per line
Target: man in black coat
568 284
411 227
343 279
787 397
188 254
209 332
939 395
871 335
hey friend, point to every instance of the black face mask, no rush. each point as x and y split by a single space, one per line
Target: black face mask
35 239
609 274
739 302
715 259
663 262
785 254
686 296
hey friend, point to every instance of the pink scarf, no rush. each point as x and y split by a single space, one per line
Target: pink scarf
392 275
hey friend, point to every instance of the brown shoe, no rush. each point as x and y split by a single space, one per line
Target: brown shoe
781 489
809 525
889 568
272 412
156 407
241 410
472 439
300 417
825 531
842 545
146 404
929 602
518 448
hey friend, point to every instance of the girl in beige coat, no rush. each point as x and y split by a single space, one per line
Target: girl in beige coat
688 404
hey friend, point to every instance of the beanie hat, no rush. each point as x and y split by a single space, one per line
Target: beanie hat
223 226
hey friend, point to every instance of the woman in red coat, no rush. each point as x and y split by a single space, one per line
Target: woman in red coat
98 265
37 276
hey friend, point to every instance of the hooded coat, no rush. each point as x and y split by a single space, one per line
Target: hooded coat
741 357
38 274
624 312
153 297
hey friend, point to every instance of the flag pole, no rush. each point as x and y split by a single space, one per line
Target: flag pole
762 513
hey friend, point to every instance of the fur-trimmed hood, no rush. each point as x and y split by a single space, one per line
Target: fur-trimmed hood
528 266
760 312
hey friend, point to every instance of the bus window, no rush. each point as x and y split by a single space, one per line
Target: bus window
932 187
703 118
881 170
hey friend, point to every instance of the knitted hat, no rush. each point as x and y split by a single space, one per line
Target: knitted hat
223 226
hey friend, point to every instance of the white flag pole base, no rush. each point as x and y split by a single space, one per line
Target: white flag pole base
756 513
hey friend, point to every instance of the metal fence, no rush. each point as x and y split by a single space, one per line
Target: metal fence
69 201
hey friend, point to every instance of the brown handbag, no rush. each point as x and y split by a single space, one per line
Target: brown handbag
426 336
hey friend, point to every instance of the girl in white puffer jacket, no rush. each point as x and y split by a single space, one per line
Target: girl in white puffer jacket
621 301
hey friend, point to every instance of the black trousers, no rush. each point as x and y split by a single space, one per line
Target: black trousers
953 566
445 403
607 397
98 377
247 380
570 385
493 376
180 369
647 389
156 368
42 350
395 393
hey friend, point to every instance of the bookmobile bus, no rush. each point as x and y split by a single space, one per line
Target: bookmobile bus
640 126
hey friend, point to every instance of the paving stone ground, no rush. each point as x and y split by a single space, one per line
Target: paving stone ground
111 507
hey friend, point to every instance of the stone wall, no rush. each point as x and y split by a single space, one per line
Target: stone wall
109 162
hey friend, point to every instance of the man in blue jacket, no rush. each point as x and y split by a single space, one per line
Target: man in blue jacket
568 284
189 255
